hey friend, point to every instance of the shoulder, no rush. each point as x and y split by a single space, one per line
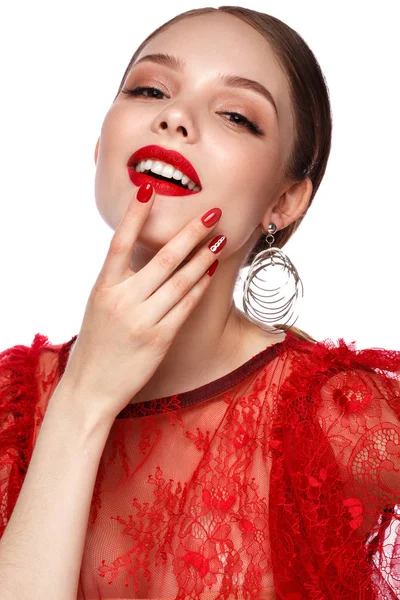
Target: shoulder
20 365
27 375
330 355
18 370
338 368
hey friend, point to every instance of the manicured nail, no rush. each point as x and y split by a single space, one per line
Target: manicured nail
217 243
212 269
145 192
211 217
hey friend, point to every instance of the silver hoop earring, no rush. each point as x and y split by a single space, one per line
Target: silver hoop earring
258 290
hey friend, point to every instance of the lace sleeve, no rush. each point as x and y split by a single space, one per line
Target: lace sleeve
337 476
18 399
360 415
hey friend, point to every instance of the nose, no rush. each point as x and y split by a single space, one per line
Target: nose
177 121
179 128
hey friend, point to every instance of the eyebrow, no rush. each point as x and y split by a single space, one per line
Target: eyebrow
229 80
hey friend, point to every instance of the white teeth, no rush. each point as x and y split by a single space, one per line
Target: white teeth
177 174
166 170
157 167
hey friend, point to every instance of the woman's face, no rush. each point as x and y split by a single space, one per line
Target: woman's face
238 168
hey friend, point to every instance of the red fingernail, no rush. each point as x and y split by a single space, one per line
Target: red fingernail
211 217
145 192
211 270
217 243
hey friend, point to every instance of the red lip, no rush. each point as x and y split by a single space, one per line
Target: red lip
169 156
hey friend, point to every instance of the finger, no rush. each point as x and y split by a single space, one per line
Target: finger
180 284
171 323
116 265
164 263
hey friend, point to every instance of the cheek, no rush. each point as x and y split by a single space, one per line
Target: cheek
251 182
111 185
252 193
117 142
117 132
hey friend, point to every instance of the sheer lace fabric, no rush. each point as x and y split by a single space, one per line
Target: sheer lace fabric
278 480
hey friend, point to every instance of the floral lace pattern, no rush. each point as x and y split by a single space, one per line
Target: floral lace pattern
279 480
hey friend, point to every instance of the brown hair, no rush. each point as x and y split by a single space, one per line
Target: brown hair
310 106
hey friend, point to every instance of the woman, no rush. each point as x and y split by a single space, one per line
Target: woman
176 448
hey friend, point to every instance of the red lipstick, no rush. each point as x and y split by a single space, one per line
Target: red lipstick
166 188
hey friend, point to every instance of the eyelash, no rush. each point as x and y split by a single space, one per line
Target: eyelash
250 125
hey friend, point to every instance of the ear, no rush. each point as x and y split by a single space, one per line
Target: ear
290 206
96 150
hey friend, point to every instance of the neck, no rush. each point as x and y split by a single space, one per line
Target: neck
215 339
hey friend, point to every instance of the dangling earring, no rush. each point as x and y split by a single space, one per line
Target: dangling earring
259 296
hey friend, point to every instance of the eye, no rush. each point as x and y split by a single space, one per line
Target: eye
242 122
245 122
138 91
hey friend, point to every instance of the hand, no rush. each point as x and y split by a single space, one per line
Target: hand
132 318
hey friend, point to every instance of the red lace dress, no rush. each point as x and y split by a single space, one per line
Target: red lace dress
281 475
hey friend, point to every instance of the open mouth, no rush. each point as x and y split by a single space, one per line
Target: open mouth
172 173
176 182
165 172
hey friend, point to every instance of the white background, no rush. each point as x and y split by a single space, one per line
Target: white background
61 64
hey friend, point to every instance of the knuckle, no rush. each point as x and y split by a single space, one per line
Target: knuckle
204 257
98 296
194 231
138 327
181 283
166 259
189 302
159 340
118 245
